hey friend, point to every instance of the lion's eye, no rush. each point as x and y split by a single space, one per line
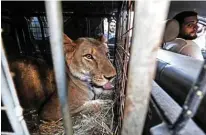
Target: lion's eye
89 56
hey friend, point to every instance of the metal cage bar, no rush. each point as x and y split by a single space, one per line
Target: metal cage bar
13 109
54 15
140 76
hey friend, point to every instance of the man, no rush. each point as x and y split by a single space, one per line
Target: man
188 31
188 24
112 29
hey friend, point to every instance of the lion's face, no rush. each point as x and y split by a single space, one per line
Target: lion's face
88 60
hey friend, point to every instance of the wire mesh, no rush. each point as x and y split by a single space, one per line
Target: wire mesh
38 27
121 61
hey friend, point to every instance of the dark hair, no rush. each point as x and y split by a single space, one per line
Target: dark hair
112 20
182 15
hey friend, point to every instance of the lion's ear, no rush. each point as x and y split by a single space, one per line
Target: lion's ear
68 44
103 39
69 48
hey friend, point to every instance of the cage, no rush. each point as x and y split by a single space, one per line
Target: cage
142 102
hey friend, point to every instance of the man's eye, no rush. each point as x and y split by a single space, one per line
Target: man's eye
189 25
88 56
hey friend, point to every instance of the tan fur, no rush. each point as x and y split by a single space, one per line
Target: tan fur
79 67
32 87
81 72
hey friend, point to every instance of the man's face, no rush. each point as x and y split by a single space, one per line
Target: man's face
189 28
112 27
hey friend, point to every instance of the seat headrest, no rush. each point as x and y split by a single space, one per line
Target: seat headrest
171 30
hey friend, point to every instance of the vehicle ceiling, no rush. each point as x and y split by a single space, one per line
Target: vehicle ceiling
93 8
178 6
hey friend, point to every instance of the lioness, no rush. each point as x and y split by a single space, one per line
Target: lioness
87 65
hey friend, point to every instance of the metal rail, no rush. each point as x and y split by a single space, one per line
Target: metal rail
54 15
9 96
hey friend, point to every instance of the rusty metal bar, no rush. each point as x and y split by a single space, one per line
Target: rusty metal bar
145 41
54 15
130 4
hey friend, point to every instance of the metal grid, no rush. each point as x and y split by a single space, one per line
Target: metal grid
38 27
121 60
35 28
45 26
